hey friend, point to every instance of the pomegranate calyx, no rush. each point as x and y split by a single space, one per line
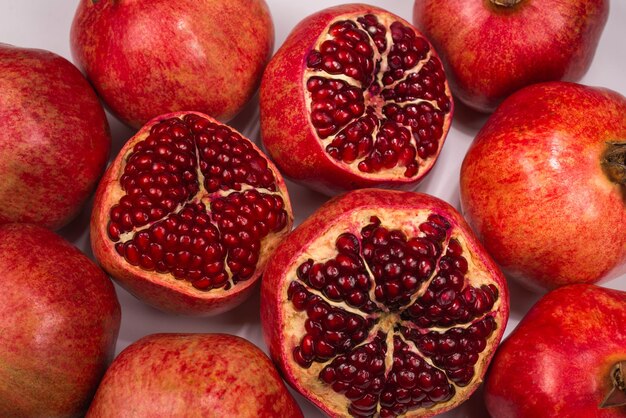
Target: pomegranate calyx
505 3
617 396
614 162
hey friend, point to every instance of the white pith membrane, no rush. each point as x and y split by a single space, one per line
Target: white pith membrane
322 249
266 242
375 103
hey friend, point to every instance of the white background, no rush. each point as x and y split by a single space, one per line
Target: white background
45 24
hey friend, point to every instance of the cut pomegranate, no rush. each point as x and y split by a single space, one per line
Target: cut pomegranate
188 213
356 97
383 303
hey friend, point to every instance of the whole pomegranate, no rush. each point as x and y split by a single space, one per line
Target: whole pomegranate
383 303
566 358
193 375
150 58
54 138
491 48
188 213
355 97
543 184
60 319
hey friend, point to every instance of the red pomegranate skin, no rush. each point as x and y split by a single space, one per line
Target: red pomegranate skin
54 138
289 138
535 192
277 312
150 58
490 51
193 375
60 319
557 362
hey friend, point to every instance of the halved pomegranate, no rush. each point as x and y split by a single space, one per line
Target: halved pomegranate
383 303
187 214
355 97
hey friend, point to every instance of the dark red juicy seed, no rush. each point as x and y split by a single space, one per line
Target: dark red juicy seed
449 300
228 161
330 331
400 265
359 375
169 230
456 350
343 278
380 126
424 281
159 175
412 383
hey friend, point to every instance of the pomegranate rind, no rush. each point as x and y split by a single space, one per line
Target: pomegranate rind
579 331
193 375
60 320
55 140
163 291
146 59
316 235
286 131
533 188
494 56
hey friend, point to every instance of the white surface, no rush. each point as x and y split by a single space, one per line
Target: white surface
45 24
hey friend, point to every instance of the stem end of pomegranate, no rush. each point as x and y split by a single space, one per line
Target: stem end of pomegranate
505 3
617 396
614 162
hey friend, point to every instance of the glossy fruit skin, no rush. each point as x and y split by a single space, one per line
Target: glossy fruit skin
60 319
535 193
286 132
150 58
193 375
54 138
277 312
502 49
167 294
558 360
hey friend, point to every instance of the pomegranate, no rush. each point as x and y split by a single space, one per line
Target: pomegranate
150 58
566 358
54 138
188 213
355 97
383 303
491 48
60 319
193 375
543 184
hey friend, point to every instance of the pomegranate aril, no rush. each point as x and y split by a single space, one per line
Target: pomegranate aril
160 175
412 383
399 265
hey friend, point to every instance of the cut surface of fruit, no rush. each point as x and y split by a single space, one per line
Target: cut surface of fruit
189 205
383 304
374 103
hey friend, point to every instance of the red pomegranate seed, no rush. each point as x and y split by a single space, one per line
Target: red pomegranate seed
427 364
183 237
404 116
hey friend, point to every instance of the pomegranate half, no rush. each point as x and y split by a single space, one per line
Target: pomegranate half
566 358
355 97
383 303
188 213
